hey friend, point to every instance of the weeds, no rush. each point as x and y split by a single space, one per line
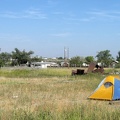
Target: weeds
51 94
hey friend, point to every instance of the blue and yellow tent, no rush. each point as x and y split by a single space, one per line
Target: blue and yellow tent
108 89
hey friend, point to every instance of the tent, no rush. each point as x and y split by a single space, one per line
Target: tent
108 89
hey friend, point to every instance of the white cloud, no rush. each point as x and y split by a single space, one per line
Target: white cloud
73 20
105 14
31 14
13 38
9 15
92 15
35 14
60 34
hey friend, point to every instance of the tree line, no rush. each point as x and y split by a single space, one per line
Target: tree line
18 57
103 57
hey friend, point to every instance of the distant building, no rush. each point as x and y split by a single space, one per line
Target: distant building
85 65
44 64
64 64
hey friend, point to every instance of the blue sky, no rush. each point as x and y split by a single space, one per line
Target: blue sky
47 26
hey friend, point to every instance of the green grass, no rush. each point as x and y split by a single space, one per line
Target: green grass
35 72
76 112
51 94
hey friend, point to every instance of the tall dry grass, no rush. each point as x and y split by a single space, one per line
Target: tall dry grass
51 94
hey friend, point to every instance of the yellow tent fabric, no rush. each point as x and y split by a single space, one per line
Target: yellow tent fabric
105 90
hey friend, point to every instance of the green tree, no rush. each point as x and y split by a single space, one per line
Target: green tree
21 57
1 63
5 58
60 58
118 57
36 59
89 59
117 65
104 57
76 61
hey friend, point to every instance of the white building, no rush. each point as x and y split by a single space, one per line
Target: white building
44 64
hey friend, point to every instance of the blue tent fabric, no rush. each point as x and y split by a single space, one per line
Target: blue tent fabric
116 91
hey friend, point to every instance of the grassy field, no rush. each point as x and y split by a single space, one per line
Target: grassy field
51 94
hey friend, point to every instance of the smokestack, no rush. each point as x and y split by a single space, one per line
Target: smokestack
65 53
